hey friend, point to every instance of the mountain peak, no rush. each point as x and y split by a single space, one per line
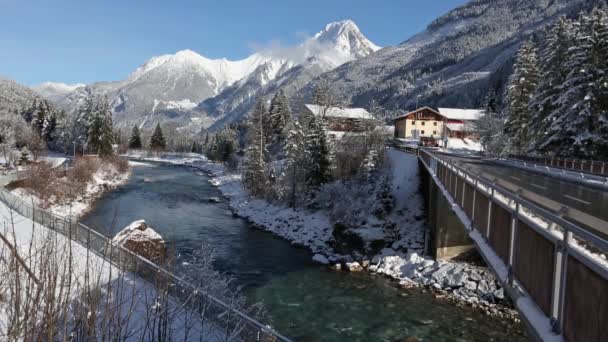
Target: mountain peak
345 37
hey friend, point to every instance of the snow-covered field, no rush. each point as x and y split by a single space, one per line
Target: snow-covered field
402 260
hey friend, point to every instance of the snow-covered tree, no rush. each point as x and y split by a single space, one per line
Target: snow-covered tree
553 58
157 140
576 126
319 152
520 89
100 134
223 146
295 159
280 115
255 166
135 138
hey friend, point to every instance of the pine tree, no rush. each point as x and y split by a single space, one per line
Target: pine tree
280 114
520 89
576 125
321 96
100 135
295 158
319 152
255 170
135 139
553 58
157 140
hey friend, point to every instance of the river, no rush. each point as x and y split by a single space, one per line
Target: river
304 300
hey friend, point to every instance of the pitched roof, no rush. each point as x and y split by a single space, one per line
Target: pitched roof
416 111
461 114
337 112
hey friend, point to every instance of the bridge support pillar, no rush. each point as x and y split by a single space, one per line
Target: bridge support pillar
447 237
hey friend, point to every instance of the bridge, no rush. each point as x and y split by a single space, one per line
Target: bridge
543 235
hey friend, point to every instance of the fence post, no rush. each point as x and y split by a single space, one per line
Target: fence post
489 214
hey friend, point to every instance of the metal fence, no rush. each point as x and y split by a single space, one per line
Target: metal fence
546 257
236 324
586 166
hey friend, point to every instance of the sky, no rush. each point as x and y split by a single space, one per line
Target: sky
83 41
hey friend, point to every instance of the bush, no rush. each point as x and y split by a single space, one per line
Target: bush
41 179
121 164
83 170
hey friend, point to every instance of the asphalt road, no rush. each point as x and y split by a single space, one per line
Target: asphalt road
585 199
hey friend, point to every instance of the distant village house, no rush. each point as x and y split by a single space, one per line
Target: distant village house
437 124
343 120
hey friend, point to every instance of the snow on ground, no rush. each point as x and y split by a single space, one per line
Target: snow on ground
133 296
464 145
401 261
106 178
301 227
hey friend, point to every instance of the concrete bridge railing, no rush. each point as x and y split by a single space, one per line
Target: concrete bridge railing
552 268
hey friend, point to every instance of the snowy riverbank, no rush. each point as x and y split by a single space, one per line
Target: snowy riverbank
401 259
105 178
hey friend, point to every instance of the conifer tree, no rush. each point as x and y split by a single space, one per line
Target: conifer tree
576 125
157 140
520 89
280 114
100 131
554 55
135 139
295 158
255 170
319 152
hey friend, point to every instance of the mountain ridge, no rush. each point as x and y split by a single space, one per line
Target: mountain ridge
167 87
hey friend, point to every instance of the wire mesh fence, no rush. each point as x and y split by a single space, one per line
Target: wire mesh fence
236 324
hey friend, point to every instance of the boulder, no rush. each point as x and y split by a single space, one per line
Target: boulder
320 259
142 240
354 266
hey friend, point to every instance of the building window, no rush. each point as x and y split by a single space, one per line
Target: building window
423 123
414 122
434 132
435 123
421 132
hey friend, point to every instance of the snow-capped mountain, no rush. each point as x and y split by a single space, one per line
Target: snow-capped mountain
454 62
336 44
168 87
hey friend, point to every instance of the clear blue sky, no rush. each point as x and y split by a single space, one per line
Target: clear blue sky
90 40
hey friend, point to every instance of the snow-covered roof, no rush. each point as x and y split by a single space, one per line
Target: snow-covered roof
461 127
414 112
337 112
461 114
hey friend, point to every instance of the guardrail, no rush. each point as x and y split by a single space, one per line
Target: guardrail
587 166
236 324
539 254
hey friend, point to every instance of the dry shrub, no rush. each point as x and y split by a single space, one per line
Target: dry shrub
83 170
41 180
121 164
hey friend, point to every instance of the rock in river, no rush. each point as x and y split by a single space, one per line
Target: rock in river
320 259
142 240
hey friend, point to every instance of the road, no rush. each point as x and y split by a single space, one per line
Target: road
585 199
